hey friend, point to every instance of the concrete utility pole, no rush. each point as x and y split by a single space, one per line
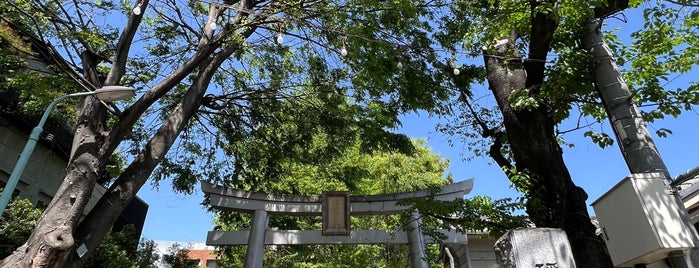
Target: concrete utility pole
634 140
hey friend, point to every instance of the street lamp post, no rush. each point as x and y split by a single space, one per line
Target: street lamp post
107 93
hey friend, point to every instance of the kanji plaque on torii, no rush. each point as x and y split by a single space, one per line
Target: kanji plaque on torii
336 213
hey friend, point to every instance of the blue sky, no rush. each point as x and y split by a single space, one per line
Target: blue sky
178 217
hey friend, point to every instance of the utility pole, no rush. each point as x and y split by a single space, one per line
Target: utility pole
634 140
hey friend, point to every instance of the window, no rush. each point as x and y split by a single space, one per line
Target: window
211 264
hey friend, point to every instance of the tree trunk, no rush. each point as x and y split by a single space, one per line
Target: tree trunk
53 235
94 147
631 134
553 199
99 221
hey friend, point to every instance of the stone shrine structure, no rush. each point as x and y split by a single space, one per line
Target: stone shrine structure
261 205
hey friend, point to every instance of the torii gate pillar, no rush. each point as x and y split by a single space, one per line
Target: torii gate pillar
256 241
416 242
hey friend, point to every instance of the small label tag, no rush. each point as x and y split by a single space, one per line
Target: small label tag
81 250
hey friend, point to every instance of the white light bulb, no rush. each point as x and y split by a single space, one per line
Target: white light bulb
213 26
137 10
280 38
399 65
343 52
457 71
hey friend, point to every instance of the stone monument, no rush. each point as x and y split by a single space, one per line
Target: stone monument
534 248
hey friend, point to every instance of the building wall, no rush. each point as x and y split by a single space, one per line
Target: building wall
196 251
44 172
206 257
481 252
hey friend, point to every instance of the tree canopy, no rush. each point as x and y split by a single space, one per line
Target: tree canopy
218 68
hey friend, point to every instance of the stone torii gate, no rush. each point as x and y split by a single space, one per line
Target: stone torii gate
338 207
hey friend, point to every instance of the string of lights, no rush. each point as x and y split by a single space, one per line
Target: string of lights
279 38
279 34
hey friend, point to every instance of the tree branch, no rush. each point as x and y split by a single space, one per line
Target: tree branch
495 151
124 46
683 3
137 173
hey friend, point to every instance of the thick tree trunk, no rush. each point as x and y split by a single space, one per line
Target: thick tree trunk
553 199
52 241
98 222
53 236
59 220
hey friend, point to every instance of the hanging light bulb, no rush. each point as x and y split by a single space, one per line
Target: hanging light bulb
137 10
455 69
280 38
213 26
399 65
343 51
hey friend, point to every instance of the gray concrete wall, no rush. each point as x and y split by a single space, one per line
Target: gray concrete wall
44 172
481 251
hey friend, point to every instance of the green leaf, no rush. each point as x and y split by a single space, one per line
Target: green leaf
663 132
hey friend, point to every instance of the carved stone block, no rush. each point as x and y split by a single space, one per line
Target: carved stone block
534 248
